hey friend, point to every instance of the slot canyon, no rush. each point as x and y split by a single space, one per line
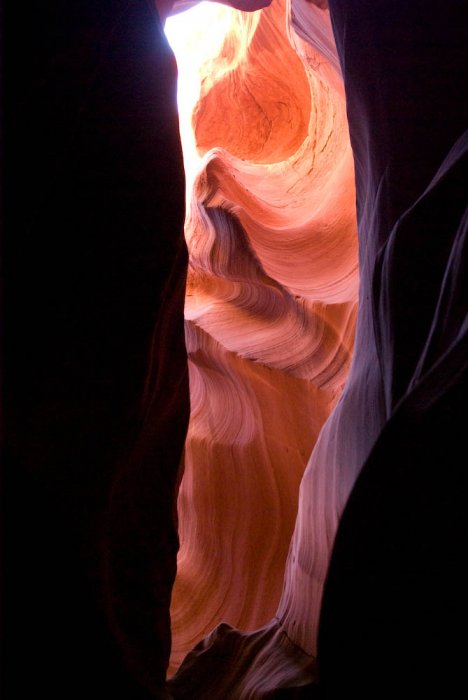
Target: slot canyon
235 349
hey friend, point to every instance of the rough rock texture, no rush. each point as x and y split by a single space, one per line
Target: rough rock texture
394 605
270 314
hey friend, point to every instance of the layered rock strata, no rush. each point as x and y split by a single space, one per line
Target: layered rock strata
395 584
270 310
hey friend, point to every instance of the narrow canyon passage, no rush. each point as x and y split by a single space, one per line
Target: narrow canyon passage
271 296
299 351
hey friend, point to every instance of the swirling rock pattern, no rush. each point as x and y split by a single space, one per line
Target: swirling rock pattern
270 318
385 472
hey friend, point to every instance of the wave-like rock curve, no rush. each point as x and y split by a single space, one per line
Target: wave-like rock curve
270 313
380 527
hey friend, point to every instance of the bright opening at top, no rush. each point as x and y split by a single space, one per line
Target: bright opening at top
195 36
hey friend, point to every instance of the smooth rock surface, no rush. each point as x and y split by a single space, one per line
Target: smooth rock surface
270 315
394 605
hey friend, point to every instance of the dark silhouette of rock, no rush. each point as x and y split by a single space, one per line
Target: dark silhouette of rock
394 606
94 261
95 366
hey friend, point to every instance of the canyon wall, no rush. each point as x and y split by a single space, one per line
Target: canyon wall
270 310
95 380
396 579
322 515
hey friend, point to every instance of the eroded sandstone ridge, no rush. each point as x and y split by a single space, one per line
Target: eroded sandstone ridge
394 590
270 310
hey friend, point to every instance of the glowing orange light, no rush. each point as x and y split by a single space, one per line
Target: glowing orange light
196 37
270 305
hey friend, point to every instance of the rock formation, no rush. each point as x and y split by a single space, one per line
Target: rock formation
395 571
322 515
270 311
94 261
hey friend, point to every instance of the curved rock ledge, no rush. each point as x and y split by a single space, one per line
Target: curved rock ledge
270 314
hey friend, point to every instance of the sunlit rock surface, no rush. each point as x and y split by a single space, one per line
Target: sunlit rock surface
95 264
270 314
273 286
